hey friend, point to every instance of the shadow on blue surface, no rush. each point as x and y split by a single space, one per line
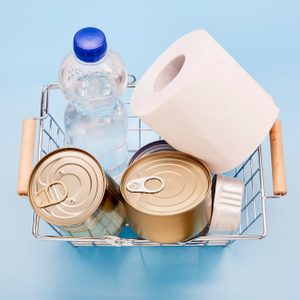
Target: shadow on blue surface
143 271
153 261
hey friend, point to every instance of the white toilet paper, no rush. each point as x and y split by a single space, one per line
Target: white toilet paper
201 101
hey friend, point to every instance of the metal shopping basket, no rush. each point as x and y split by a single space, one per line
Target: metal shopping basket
253 215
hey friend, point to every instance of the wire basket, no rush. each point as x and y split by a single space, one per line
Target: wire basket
253 214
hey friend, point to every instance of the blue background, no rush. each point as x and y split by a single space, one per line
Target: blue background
35 35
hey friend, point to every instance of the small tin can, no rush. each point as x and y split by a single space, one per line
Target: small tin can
156 146
69 189
167 196
227 197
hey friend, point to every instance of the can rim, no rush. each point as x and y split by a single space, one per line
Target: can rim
142 150
84 216
159 154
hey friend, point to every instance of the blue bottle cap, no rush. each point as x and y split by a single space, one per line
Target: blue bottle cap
89 44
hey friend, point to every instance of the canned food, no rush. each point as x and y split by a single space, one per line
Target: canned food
227 197
156 146
68 188
167 196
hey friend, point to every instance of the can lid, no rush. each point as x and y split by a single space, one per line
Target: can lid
182 182
66 186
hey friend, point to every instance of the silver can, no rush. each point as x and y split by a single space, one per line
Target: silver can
227 197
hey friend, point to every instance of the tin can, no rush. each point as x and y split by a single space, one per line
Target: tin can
153 147
69 189
227 197
167 196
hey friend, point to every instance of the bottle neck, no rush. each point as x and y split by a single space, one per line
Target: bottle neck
96 63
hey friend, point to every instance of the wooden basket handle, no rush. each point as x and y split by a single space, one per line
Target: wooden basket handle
277 158
26 155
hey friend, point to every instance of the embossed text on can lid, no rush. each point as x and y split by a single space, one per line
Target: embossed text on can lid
66 186
186 183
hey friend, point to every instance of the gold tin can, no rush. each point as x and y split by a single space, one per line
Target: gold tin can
69 189
167 196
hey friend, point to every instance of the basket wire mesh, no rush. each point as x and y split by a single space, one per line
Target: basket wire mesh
253 214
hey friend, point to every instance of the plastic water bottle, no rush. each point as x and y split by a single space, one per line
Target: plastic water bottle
93 78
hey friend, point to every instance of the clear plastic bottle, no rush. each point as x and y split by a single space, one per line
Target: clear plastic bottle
93 79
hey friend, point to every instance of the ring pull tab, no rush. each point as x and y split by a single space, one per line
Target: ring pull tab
52 194
138 185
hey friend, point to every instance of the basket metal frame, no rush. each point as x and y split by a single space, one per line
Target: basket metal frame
53 137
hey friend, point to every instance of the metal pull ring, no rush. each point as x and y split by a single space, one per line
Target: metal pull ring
138 185
50 194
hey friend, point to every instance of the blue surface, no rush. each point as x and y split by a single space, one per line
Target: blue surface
35 35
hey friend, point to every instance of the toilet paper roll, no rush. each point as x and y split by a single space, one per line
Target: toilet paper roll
201 101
